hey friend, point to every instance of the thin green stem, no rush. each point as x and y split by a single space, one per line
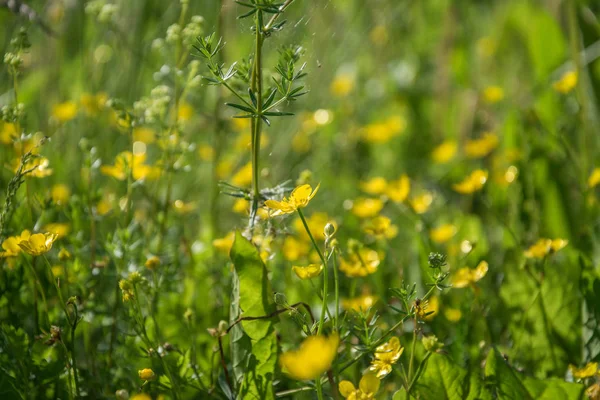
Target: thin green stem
256 87
412 350
337 292
319 389
325 272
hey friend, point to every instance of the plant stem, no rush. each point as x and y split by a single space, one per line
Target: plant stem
256 87
325 272
337 291
319 389
412 350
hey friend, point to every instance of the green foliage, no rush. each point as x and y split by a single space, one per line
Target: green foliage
253 295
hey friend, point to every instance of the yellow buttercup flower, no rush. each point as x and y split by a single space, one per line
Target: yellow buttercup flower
386 355
316 223
444 152
38 243
398 190
185 112
93 104
382 132
140 396
566 83
64 112
152 263
308 272
381 227
481 147
11 245
374 186
367 388
243 177
181 207
544 247
60 229
126 161
453 314
590 370
367 208
594 178
312 359
146 374
468 277
39 167
360 263
472 183
206 152
432 308
442 233
224 244
420 204
493 94
342 85
60 194
299 198
360 304
294 249
8 132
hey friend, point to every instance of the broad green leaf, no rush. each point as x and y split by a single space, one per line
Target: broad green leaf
443 379
509 384
253 296
545 322
504 380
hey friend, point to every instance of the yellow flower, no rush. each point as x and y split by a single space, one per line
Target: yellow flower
544 247
294 249
382 132
243 177
146 374
316 223
186 111
442 233
362 303
93 104
432 308
182 207
224 244
397 191
141 396
39 167
60 229
367 208
11 246
312 359
385 356
453 314
467 277
123 163
472 183
374 186
298 199
593 392
381 227
493 94
342 85
566 83
361 263
152 263
308 272
206 152
594 178
367 388
420 204
8 133
38 243
64 112
444 152
479 148
144 134
60 194
590 370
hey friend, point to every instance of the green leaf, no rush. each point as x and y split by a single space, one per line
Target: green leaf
511 385
254 299
443 379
